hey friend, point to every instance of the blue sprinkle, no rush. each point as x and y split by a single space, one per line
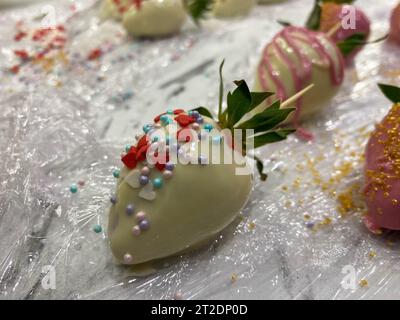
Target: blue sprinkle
200 120
155 139
144 225
113 199
146 128
73 188
128 147
157 183
195 114
116 173
97 228
170 111
169 166
143 180
164 118
310 225
208 127
129 209
127 95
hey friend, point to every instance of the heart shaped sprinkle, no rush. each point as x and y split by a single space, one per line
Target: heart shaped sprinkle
148 192
130 159
132 179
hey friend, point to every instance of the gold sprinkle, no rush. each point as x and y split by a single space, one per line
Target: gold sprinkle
327 220
285 188
234 277
296 183
252 225
395 202
390 243
372 254
288 204
363 283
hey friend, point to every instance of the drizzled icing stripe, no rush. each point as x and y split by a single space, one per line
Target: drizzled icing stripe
300 79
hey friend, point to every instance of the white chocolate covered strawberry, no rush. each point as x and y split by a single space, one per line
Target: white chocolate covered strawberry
232 8
186 177
154 18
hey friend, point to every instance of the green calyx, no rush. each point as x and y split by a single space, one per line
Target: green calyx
356 40
240 102
197 9
390 92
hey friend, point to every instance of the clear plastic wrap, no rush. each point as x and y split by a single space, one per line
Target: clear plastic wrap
299 237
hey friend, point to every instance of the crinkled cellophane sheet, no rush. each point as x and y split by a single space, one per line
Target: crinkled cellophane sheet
69 120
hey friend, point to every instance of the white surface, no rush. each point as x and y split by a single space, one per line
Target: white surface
77 131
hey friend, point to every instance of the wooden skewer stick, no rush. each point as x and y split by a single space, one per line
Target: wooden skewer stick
299 94
335 28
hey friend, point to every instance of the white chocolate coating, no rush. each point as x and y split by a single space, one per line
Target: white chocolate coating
193 205
232 8
269 1
109 10
155 18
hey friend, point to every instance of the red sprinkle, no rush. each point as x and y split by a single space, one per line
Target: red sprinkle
15 69
142 142
141 154
21 54
41 33
20 35
156 119
130 159
95 54
138 4
178 111
184 120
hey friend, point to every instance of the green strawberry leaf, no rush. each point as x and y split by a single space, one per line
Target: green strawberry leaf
204 112
258 97
221 92
313 20
268 119
197 9
239 102
260 169
284 23
390 92
356 40
349 44
271 137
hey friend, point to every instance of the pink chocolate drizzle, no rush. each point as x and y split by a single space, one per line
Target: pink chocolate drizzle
303 77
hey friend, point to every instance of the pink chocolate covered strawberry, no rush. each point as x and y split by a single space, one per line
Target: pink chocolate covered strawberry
382 169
